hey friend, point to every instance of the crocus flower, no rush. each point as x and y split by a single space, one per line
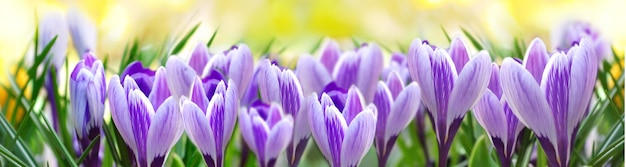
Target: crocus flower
199 58
51 25
210 119
494 114
344 137
282 86
399 65
181 76
451 84
150 134
87 94
395 104
236 64
553 108
267 131
83 31
360 68
571 32
144 77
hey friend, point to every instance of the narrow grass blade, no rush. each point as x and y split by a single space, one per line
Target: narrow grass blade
88 149
181 44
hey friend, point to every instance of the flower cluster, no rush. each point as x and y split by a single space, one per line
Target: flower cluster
346 101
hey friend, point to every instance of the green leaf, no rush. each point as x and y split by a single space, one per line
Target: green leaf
179 46
4 152
472 39
88 149
356 42
268 47
208 44
480 154
317 45
446 34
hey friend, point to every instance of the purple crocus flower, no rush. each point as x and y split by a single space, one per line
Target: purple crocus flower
395 104
199 58
267 131
150 134
351 68
554 107
344 137
144 77
180 78
451 84
399 65
571 32
83 31
283 87
494 114
210 119
236 64
87 94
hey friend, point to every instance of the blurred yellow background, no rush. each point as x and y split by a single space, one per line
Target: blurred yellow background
301 23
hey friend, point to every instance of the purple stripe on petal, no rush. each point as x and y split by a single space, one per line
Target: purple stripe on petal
383 102
312 74
144 77
260 132
335 129
317 122
458 53
160 91
469 86
198 128
215 113
141 112
536 58
354 104
165 130
526 99
290 92
120 114
347 69
358 137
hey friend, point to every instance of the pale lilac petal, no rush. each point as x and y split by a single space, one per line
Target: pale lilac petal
383 101
51 25
199 58
330 55
489 113
215 114
79 97
290 92
335 127
278 139
358 138
269 87
313 76
160 91
370 67
230 107
260 132
536 58
274 115
198 128
458 53
407 103
494 81
469 86
241 70
422 71
95 98
198 95
354 104
326 101
179 76
120 113
245 126
346 71
583 70
83 31
395 84
318 126
141 114
301 121
165 130
526 99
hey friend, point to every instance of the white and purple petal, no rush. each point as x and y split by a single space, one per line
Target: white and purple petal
165 130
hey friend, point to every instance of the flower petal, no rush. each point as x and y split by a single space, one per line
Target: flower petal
346 71
470 85
312 74
231 106
330 55
279 137
165 130
583 76
51 25
274 115
489 112
144 77
95 98
83 31
198 128
141 114
317 122
260 132
241 71
395 84
402 111
358 138
199 58
354 104
79 98
290 92
120 112
526 99
458 53
370 67
180 76
198 95
245 124
383 102
494 81
269 87
160 90
536 58
335 127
